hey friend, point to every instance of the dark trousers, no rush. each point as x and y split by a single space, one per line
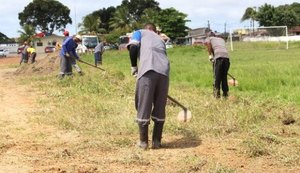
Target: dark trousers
133 54
98 58
32 56
24 58
221 67
151 97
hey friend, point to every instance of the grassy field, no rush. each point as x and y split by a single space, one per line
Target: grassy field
100 106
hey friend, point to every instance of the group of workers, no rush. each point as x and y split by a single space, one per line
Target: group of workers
69 56
28 52
152 74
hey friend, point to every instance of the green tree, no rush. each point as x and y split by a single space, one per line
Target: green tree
27 34
250 14
122 21
45 15
285 15
90 25
296 7
150 15
136 7
172 22
105 15
4 38
265 15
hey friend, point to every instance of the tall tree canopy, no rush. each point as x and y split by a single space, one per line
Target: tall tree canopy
285 15
90 25
133 14
172 22
268 15
27 34
122 21
250 14
45 15
265 15
105 15
4 38
136 7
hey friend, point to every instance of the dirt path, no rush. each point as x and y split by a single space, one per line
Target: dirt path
16 104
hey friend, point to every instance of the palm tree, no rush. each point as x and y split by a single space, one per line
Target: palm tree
122 21
250 13
27 34
90 25
150 15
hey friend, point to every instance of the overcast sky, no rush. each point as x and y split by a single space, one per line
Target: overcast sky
217 12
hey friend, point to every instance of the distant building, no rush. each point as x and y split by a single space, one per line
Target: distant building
12 47
294 31
45 41
196 36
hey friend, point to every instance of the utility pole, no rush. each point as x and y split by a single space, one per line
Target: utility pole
208 25
225 28
75 17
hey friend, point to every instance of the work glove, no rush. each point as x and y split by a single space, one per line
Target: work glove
211 58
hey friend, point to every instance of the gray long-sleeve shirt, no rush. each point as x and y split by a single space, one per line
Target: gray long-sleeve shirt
99 48
153 55
219 47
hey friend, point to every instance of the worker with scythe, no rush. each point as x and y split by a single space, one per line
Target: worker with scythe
152 83
68 55
218 55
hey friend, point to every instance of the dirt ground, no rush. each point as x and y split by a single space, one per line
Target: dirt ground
27 146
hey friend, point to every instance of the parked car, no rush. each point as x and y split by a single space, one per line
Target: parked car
107 47
49 49
3 52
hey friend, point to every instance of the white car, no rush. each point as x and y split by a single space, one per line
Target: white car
3 52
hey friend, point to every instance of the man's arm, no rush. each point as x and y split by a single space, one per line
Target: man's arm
210 52
210 49
134 47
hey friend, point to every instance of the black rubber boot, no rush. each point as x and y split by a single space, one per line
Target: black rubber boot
143 143
157 134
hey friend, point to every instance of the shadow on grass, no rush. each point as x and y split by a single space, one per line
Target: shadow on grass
189 140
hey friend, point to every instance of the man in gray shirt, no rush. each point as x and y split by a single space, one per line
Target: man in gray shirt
99 49
218 55
152 83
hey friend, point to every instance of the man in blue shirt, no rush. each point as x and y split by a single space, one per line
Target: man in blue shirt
152 83
68 54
